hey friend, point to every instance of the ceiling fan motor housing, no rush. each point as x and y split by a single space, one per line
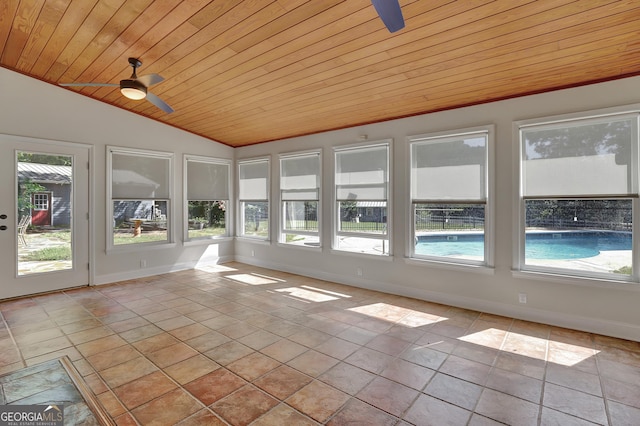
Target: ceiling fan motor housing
133 89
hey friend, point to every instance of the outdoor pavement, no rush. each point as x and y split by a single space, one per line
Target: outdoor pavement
37 242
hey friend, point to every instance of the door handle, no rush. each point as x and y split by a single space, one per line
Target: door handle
3 216
3 227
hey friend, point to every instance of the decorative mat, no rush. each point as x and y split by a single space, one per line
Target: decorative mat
54 383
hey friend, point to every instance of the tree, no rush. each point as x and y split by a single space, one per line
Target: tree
52 160
349 210
603 138
216 213
25 190
596 214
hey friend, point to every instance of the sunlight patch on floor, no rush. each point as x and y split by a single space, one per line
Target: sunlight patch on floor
307 295
253 279
398 315
333 293
562 353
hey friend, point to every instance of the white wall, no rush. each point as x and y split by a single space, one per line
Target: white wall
593 306
35 109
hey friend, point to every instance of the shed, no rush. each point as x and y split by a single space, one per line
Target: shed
52 206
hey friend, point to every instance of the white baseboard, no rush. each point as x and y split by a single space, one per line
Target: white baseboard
164 269
588 324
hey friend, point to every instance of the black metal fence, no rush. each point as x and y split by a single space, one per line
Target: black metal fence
566 224
612 215
435 223
361 226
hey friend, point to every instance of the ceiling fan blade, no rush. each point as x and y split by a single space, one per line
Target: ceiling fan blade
91 84
390 13
150 79
159 103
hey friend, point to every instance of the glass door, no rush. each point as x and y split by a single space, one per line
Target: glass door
44 219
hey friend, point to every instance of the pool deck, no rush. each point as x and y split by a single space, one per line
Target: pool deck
606 261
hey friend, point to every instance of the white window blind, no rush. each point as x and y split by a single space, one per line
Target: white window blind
589 158
451 168
139 176
253 180
362 173
207 180
300 177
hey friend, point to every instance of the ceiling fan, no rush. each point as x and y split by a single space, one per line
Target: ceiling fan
134 87
390 13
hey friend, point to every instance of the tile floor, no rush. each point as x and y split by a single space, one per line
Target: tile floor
236 344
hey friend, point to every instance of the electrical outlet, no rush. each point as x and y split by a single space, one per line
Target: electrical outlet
143 263
253 253
522 297
359 272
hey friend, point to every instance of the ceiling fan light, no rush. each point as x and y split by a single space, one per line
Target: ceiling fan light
133 89
131 93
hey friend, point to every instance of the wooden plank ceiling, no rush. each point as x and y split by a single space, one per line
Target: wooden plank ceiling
249 71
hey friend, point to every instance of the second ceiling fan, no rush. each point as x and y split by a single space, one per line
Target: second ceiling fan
390 13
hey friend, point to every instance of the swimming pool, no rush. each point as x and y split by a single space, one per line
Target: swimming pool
563 245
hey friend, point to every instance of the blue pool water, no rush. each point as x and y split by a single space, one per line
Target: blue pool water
538 245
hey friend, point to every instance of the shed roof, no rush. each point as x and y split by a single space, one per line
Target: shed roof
44 173
366 204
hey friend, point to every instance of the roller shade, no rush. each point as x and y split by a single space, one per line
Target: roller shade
450 168
253 180
300 177
362 173
207 180
139 176
589 158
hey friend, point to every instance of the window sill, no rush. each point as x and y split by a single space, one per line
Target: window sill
206 241
593 282
454 266
300 246
383 257
253 240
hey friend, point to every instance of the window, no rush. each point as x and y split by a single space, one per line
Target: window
300 197
207 187
140 194
449 182
253 198
40 201
579 188
362 191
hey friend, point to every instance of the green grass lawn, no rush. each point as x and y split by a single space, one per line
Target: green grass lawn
49 254
262 231
121 238
206 232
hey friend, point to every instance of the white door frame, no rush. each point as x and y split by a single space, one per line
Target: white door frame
82 236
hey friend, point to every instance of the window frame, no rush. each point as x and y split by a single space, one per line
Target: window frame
575 276
170 240
38 205
228 205
489 181
282 230
387 236
240 228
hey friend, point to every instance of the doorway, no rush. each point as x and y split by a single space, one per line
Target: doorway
44 225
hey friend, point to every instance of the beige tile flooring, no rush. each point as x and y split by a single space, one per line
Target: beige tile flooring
236 344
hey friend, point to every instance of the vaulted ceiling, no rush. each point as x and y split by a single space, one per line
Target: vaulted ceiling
250 71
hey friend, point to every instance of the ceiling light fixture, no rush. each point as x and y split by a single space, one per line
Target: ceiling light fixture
133 89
